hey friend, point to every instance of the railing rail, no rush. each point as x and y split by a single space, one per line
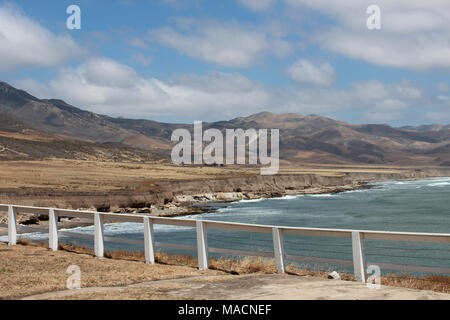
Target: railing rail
100 218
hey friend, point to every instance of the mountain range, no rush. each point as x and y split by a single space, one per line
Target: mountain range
33 128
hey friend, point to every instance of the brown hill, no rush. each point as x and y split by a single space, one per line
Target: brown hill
303 138
20 141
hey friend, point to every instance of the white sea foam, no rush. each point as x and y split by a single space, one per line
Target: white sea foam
290 197
113 229
438 184
34 236
416 184
251 200
323 195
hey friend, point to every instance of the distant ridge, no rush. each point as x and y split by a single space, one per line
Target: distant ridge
303 138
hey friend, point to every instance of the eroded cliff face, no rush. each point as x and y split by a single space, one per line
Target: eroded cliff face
175 194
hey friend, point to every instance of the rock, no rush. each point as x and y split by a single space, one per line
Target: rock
29 220
43 217
276 194
334 275
103 208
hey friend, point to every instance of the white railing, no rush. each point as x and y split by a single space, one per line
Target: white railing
100 218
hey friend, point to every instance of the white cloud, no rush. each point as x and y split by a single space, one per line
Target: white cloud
438 117
142 59
229 44
417 52
414 33
137 43
258 4
105 86
305 71
23 42
445 99
386 103
443 87
368 101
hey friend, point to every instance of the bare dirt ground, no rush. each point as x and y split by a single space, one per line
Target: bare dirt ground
30 272
251 287
288 287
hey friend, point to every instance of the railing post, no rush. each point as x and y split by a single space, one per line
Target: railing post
98 237
359 263
202 245
12 226
278 249
149 241
52 230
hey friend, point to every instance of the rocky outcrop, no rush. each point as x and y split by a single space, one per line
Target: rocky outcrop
176 195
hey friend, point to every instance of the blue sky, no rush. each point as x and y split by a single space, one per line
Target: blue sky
185 60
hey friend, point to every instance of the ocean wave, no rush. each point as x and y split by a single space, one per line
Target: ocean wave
323 195
354 191
413 184
113 229
251 200
438 184
32 236
291 197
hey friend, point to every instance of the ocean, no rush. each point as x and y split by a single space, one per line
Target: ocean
412 206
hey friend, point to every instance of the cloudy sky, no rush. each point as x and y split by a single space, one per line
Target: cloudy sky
185 60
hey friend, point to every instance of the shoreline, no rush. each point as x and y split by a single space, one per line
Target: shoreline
200 204
204 206
194 204
202 200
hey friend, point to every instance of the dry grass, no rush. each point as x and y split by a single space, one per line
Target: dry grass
434 282
29 269
250 265
29 136
233 266
86 176
247 265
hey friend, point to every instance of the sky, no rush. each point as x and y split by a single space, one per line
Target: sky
186 60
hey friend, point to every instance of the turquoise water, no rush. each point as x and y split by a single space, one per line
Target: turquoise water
415 206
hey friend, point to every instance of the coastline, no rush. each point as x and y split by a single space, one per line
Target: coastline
409 280
183 201
190 205
201 201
